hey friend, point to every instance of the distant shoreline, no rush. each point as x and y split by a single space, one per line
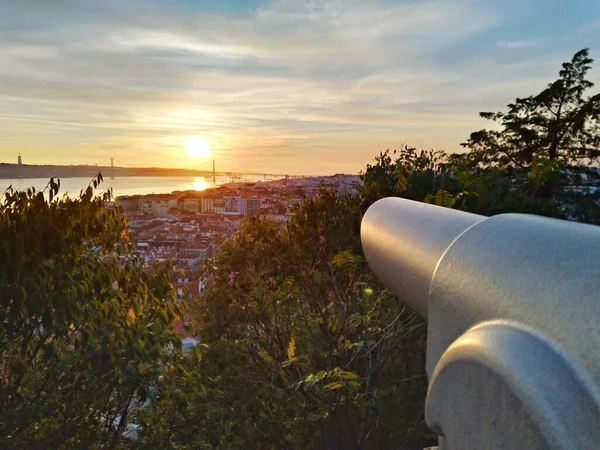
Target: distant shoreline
26 171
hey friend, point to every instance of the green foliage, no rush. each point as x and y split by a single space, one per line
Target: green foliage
83 325
411 174
305 348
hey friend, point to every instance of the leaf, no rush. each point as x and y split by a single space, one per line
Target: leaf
441 198
291 350
345 259
130 318
349 375
335 385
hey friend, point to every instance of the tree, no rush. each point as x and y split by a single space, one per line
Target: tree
83 325
407 173
559 124
542 152
302 347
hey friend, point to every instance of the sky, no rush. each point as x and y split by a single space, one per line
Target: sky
286 86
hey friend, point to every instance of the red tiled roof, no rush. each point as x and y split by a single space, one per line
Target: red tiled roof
197 244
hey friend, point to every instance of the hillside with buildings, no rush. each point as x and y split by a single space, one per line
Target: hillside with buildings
188 227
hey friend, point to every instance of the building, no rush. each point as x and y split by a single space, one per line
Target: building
128 204
20 160
232 204
253 206
244 206
191 205
207 205
156 204
171 202
160 209
200 250
219 206
145 204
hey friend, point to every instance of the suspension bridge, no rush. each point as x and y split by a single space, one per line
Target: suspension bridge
234 174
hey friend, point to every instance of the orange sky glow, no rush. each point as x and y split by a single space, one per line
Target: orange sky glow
277 86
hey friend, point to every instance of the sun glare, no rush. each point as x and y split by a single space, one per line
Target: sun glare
199 184
197 146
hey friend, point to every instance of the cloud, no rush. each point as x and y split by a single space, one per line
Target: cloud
517 44
307 84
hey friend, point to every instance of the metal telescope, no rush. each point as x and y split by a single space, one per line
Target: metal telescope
513 310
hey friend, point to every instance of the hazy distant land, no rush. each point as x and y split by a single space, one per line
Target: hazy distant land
47 171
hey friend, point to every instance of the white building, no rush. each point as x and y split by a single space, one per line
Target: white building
160 209
191 205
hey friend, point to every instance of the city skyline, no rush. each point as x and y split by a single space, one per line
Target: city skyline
281 86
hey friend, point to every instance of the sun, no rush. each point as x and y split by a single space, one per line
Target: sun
197 146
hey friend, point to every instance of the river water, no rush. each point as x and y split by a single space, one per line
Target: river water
123 185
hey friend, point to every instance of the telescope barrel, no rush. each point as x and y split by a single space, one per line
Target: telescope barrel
513 310
403 241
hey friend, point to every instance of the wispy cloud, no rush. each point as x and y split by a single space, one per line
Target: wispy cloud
517 44
310 85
